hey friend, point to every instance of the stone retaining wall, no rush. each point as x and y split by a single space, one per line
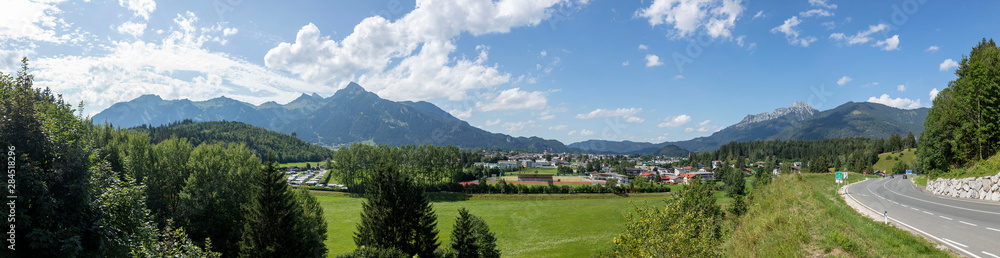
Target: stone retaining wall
982 188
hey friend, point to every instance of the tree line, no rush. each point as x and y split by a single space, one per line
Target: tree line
97 191
284 148
963 126
853 154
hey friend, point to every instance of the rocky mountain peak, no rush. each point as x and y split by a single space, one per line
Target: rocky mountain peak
799 111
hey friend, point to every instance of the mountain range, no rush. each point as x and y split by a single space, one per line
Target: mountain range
354 115
351 115
798 122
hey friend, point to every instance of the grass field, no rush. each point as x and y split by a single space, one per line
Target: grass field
511 179
802 216
564 226
885 164
299 164
988 167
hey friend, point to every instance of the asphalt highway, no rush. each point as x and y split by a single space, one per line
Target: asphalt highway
970 227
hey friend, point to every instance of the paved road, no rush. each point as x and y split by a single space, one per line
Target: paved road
970 227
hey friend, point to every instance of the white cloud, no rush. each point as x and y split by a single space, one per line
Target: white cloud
35 21
869 84
792 34
822 3
546 117
861 36
889 44
829 25
627 113
653 60
621 112
558 127
688 130
410 58
901 88
902 103
643 47
934 93
543 53
141 8
760 14
133 68
676 121
932 49
716 17
461 114
625 63
571 132
704 123
678 77
817 13
131 28
947 65
492 122
586 132
844 80
230 31
512 99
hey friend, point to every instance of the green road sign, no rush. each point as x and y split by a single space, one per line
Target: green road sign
840 175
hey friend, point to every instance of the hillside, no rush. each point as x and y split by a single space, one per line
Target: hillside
672 151
352 115
885 163
262 141
857 119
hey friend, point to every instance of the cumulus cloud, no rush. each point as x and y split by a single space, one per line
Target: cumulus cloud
903 103
816 12
844 80
625 63
792 33
571 132
901 87
132 28
626 113
934 93
558 127
760 14
948 65
460 114
715 17
133 68
512 99
829 25
141 8
653 60
889 44
35 21
822 3
492 122
586 132
410 58
676 121
861 36
643 47
514 127
932 49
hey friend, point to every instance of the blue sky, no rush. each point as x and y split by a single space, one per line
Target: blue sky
571 70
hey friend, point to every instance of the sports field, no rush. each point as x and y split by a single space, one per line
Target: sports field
524 226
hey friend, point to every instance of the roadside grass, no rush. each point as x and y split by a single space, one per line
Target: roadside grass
920 180
988 167
801 215
884 163
524 227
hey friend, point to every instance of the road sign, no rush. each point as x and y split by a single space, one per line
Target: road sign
840 177
909 172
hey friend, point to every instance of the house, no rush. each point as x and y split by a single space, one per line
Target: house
797 164
704 175
622 179
687 178
294 169
796 169
716 164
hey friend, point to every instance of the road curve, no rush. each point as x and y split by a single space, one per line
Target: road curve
970 227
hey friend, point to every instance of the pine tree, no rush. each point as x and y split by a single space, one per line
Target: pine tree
472 237
397 215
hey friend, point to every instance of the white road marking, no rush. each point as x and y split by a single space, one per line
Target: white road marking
947 218
916 229
932 214
991 254
922 200
904 206
957 243
966 223
915 209
997 230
